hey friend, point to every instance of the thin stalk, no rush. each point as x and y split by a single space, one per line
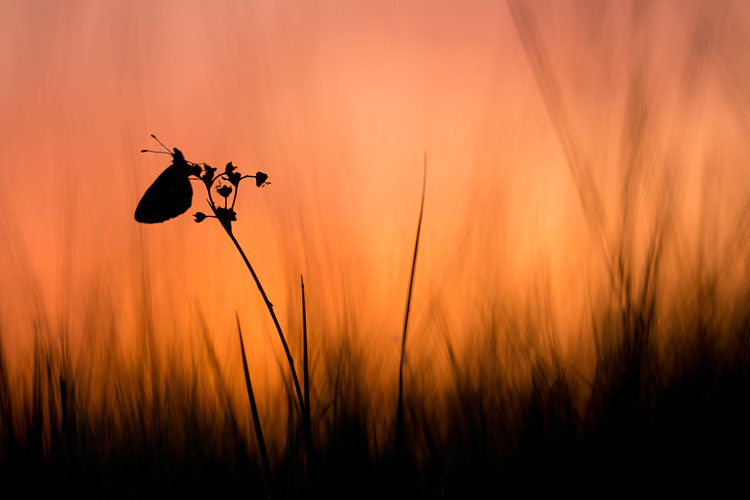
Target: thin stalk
306 373
400 407
227 227
254 409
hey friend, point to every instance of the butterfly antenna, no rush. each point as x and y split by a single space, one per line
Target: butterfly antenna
157 152
162 144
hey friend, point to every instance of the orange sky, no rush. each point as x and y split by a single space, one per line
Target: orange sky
337 101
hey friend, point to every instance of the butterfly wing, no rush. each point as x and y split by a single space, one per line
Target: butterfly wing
169 196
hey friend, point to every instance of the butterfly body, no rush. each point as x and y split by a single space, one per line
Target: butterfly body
169 195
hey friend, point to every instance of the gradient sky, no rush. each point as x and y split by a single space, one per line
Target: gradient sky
338 101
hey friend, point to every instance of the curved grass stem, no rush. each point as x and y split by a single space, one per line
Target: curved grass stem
400 407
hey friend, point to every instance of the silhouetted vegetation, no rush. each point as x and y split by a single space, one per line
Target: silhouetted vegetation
659 397
666 403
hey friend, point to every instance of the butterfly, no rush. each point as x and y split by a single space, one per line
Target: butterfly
170 194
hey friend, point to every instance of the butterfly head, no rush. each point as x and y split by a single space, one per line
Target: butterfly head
185 167
177 156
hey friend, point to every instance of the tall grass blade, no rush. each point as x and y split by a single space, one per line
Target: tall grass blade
306 375
254 409
400 407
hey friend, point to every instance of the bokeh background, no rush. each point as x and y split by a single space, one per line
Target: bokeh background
551 129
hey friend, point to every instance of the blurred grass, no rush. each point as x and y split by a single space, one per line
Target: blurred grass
664 401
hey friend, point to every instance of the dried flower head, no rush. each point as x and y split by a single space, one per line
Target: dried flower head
208 175
261 179
225 215
224 191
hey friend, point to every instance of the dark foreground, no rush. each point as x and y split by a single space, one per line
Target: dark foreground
672 415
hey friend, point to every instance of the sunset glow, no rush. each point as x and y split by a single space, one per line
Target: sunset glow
565 142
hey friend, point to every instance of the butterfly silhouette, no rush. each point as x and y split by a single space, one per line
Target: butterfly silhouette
170 194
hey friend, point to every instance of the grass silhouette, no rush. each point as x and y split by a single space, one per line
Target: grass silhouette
655 415
254 409
400 404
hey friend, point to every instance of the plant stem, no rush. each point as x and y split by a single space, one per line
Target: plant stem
228 228
400 407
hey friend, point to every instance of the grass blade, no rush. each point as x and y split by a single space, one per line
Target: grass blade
400 407
306 374
254 409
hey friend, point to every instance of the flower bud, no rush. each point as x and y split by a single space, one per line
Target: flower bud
260 178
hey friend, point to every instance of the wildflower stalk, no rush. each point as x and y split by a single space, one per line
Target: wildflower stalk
225 216
303 402
228 229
